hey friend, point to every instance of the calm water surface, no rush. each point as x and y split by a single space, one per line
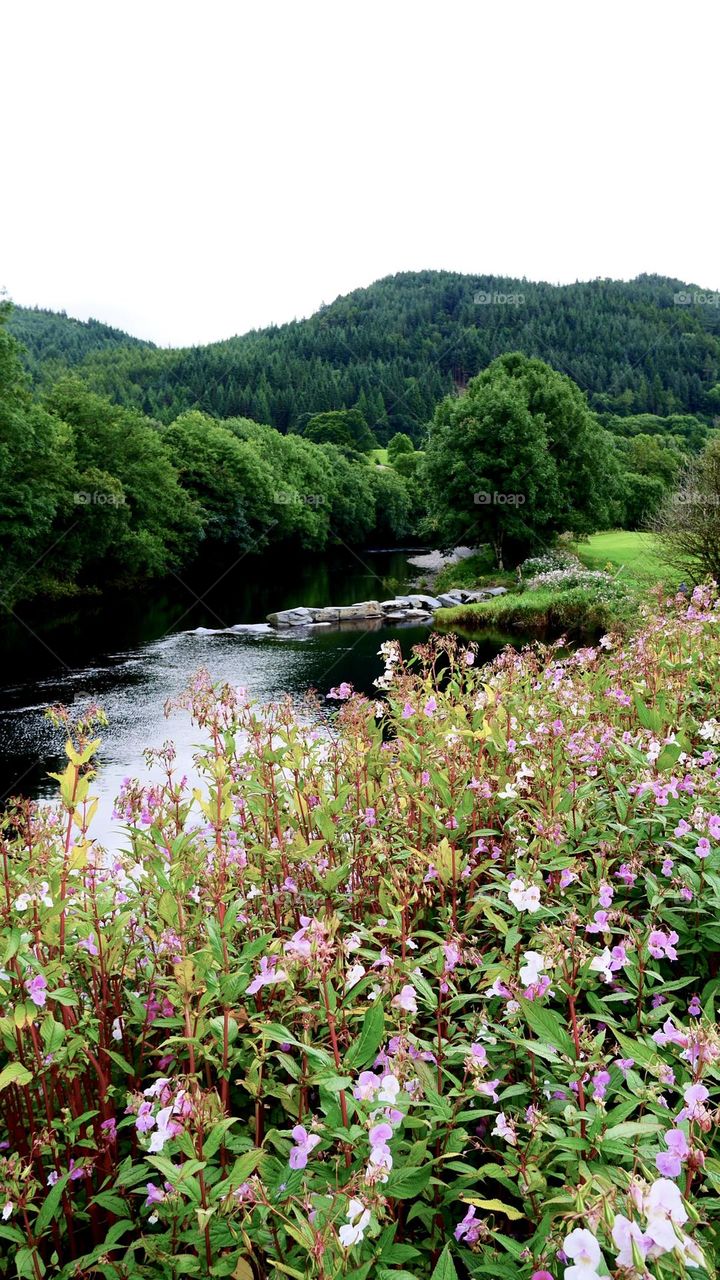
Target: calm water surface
132 652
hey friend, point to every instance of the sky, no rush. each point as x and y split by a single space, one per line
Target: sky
190 171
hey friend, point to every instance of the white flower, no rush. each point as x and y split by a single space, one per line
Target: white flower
584 1250
532 968
624 1232
358 1219
525 898
354 975
117 1029
353 943
166 1128
603 964
405 999
7 1210
665 1210
389 1089
22 902
504 1129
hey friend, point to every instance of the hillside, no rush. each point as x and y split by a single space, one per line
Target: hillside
54 340
397 347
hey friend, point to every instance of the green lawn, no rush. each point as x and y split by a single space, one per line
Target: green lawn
635 556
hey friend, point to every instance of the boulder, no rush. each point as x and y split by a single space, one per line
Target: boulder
448 601
365 609
427 602
300 617
496 591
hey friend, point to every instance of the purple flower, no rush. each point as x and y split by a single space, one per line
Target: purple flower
268 974
304 1144
37 989
430 707
468 1229
342 692
408 711
702 848
694 1007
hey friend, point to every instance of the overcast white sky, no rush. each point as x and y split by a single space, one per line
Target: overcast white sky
190 171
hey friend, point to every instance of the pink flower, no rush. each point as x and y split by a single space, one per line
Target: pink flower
489 1088
504 1129
468 1229
305 1143
406 999
430 707
342 692
367 1086
662 944
408 711
268 974
37 989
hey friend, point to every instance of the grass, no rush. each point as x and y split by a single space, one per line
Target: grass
379 456
475 571
633 558
544 613
636 557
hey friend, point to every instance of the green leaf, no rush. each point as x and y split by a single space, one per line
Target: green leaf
215 1137
50 1204
14 1073
445 1268
364 1049
405 1184
547 1026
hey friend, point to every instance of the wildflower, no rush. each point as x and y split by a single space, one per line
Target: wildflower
166 1128
505 1129
367 1086
108 1128
117 1029
7 1210
430 706
603 964
524 898
584 1250
381 1160
353 1231
703 848
468 1229
489 1089
304 1143
353 976
662 944
469 658
532 967
694 1096
268 974
89 944
600 1082
624 1232
389 1089
694 1007
406 999
342 692
605 894
665 1210
37 989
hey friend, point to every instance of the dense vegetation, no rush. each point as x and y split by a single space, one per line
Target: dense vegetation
430 993
395 349
120 462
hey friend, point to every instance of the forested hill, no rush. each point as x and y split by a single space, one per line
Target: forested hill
53 341
396 348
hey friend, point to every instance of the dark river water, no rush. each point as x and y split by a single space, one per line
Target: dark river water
131 652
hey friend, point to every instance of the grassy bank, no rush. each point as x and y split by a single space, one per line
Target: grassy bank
633 569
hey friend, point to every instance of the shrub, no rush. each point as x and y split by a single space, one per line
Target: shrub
431 991
549 562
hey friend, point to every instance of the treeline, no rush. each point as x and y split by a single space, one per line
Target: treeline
95 493
393 350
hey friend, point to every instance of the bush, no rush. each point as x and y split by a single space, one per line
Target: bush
549 562
433 992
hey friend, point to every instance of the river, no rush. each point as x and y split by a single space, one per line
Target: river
131 652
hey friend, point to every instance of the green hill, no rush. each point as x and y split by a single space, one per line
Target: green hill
395 348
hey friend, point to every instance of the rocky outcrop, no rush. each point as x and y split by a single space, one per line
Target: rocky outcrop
415 607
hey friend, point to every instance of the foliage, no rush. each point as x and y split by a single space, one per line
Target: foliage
688 524
518 458
395 349
345 427
431 991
